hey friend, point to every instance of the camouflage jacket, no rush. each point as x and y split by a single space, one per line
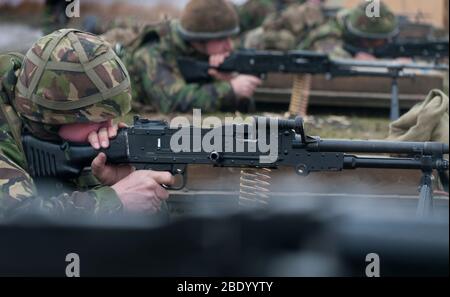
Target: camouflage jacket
156 79
253 12
329 37
18 191
284 30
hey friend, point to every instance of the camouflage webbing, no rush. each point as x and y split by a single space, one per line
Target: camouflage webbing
86 66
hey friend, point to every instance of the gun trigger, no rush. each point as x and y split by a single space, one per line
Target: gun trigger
179 176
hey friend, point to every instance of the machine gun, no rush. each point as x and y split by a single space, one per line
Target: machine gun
155 145
429 50
259 63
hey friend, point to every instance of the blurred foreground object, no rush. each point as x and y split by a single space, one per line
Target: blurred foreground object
285 242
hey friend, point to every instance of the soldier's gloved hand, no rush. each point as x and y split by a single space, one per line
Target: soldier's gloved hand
244 86
141 191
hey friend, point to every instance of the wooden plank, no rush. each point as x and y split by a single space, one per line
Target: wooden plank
359 181
341 99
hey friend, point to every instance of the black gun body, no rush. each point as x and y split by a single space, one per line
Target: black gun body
147 145
434 49
259 63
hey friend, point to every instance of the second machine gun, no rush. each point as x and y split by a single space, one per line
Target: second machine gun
259 63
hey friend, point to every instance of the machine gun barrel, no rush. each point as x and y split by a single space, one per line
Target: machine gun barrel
388 64
377 147
353 162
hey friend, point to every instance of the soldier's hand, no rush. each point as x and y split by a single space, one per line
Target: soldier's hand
404 60
100 138
365 57
245 85
108 175
220 75
141 191
215 61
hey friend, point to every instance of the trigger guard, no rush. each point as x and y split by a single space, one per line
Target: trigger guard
176 188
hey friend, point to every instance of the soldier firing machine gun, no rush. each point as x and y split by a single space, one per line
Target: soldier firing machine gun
259 63
148 145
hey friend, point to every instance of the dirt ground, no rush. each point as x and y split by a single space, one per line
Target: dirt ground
324 125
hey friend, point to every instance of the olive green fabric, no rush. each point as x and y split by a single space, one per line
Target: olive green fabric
427 121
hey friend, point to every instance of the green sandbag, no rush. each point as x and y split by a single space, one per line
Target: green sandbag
426 121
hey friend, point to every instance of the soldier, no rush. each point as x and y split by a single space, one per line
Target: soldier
353 34
284 30
253 12
204 33
350 34
69 86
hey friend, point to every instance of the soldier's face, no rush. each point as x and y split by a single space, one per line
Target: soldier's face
219 46
372 43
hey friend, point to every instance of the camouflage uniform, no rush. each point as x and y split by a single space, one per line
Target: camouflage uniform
340 36
156 79
328 38
253 12
66 77
284 30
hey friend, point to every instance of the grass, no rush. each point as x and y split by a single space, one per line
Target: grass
356 128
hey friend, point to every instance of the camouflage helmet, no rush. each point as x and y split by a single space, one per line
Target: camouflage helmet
359 24
70 76
207 20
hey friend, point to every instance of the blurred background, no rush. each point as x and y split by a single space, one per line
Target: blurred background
22 18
